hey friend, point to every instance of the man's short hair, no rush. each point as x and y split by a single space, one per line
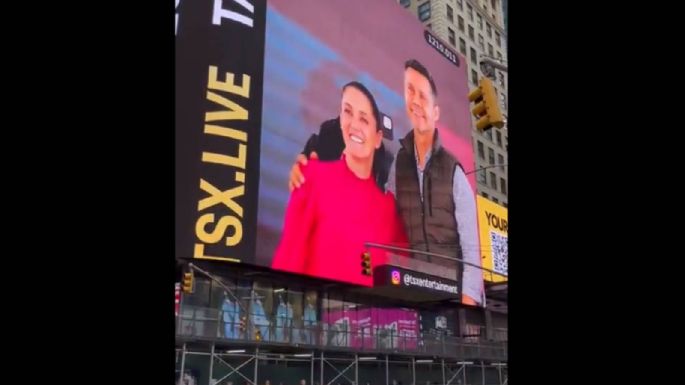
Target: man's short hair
420 68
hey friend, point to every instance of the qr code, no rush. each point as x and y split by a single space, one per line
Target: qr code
500 252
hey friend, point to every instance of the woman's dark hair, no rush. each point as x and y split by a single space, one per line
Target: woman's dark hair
367 93
381 159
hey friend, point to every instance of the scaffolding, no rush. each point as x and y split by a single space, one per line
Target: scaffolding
377 360
326 368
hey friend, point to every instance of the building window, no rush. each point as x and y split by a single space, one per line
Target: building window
474 58
490 50
460 23
460 4
495 199
452 39
480 22
450 13
491 153
482 180
503 100
470 11
462 46
405 3
501 80
474 77
497 39
493 181
488 29
481 42
471 32
499 55
493 3
500 161
499 139
481 151
503 186
425 11
488 134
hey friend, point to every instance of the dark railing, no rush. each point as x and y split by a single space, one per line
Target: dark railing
207 324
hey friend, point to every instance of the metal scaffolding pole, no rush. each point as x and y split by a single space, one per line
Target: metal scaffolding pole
356 369
311 375
321 365
183 361
482 367
211 365
413 371
387 371
443 372
256 362
463 368
339 372
235 370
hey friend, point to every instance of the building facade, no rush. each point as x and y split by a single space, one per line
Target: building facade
476 28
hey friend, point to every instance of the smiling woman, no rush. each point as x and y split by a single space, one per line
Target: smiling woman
330 217
360 123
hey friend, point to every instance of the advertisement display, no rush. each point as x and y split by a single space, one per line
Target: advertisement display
372 327
360 83
493 224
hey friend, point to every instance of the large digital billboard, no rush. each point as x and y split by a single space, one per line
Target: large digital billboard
361 83
494 239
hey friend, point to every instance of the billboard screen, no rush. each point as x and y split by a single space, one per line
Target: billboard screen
493 224
259 82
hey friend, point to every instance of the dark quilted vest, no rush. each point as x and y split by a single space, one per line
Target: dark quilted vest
430 225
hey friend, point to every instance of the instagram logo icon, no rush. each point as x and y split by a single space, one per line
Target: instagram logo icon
395 277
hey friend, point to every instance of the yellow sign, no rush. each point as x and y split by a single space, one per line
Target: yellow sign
493 227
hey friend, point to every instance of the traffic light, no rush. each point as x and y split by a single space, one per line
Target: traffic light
188 279
243 324
258 335
366 263
486 107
